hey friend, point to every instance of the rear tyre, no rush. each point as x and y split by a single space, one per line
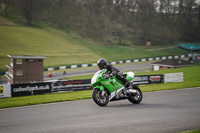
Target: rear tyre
100 97
135 98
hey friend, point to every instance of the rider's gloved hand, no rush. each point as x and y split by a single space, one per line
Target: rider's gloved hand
111 75
107 75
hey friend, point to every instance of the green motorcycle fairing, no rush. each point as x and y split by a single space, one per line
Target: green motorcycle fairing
112 84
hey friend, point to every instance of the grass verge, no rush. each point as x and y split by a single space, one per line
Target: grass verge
42 99
193 131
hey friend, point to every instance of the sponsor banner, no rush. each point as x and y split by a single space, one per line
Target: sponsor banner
138 80
72 85
148 79
30 89
156 78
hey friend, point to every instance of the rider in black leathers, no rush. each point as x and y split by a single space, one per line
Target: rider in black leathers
111 70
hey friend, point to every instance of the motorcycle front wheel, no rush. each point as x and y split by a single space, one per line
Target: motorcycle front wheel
100 97
135 98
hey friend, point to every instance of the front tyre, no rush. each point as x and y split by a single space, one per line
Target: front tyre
135 98
100 97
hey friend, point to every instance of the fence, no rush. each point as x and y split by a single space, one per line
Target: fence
119 62
15 90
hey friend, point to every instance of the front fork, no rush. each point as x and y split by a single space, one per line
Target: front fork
100 87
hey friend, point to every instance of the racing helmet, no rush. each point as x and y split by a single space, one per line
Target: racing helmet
101 63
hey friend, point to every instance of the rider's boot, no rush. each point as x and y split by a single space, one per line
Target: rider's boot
128 89
128 85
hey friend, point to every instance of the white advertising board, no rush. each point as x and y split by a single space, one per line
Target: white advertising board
5 90
173 77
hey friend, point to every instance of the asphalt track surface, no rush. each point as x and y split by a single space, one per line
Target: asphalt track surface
160 112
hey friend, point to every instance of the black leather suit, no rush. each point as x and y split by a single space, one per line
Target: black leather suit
114 71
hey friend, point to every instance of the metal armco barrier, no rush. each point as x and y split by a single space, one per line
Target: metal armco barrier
72 85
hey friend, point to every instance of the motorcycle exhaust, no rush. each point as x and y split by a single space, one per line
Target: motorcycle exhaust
130 91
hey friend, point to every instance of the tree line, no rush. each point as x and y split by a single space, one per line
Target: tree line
124 22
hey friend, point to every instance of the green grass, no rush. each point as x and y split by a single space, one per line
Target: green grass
193 131
56 45
117 53
42 99
61 48
191 79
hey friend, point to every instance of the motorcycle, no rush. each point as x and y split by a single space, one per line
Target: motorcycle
107 88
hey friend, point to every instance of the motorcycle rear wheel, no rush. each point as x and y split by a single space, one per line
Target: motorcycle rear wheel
135 98
100 97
